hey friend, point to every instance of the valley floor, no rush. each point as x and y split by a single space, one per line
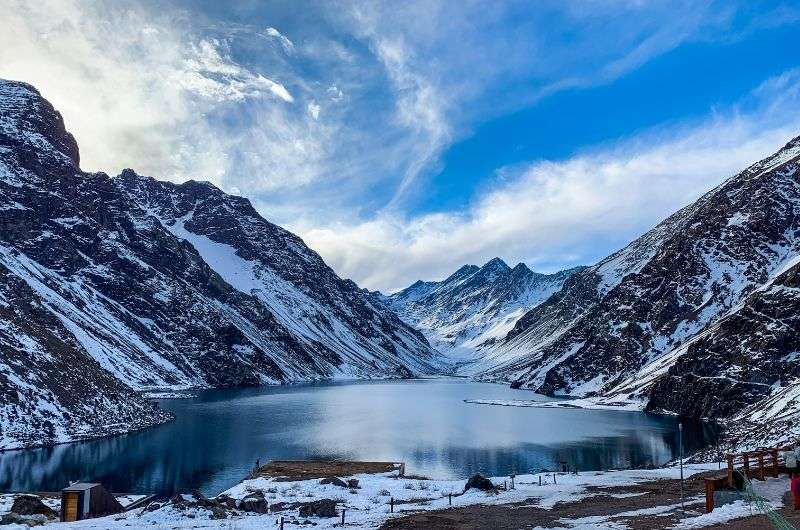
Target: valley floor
616 499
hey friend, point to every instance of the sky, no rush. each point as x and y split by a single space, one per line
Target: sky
402 140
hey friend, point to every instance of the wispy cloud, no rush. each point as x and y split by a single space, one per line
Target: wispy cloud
136 88
284 41
560 213
330 121
451 69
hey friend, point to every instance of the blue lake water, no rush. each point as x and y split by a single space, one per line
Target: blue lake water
218 436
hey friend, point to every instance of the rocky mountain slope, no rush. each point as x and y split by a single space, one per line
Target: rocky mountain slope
694 317
134 283
475 306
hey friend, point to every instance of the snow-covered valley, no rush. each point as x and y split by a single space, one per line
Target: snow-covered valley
111 287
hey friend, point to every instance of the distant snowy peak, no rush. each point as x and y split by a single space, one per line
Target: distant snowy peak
474 306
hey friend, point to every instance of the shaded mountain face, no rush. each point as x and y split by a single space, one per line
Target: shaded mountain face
662 315
141 284
475 306
749 355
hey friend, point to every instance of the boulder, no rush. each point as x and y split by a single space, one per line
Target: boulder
479 482
23 520
352 483
254 503
31 505
319 508
226 501
336 481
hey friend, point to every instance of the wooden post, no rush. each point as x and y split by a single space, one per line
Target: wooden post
512 482
391 504
760 466
281 522
774 453
710 487
343 512
449 499
746 457
730 471
554 479
505 485
540 479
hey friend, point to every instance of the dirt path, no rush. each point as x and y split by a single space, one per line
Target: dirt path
654 505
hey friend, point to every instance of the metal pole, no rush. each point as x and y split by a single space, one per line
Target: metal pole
680 456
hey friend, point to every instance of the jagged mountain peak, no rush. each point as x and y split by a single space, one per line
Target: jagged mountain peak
475 305
149 283
496 264
641 304
522 269
34 128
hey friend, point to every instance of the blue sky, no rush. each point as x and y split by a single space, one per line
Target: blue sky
402 140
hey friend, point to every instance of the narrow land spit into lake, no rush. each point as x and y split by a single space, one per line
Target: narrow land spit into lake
218 436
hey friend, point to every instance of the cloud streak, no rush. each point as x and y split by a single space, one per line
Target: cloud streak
334 131
560 213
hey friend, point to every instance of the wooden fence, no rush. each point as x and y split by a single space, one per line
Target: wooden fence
752 464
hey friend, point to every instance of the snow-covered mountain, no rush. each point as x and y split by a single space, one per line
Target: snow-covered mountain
132 283
475 306
698 316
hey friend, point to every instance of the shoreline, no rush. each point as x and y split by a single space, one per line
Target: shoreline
621 498
194 394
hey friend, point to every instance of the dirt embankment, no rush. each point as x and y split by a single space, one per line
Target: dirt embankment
645 506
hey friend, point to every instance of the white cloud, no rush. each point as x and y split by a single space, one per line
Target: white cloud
313 109
135 87
211 74
288 45
569 212
335 93
178 93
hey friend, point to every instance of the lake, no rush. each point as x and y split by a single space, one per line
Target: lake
218 436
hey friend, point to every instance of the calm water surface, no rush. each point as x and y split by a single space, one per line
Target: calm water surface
218 436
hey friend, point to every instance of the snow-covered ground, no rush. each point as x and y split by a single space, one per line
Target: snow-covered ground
368 505
596 403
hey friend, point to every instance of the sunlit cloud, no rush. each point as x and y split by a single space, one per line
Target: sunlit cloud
333 122
550 213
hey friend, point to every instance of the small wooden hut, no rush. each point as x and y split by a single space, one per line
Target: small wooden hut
86 500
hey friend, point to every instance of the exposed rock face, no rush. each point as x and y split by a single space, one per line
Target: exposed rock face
618 326
113 284
336 481
475 306
318 508
748 355
254 503
31 505
479 482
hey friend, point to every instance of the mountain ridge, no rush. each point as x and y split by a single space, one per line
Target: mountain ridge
474 306
159 285
642 322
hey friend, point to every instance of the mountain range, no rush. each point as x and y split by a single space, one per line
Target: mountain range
474 307
697 317
113 285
